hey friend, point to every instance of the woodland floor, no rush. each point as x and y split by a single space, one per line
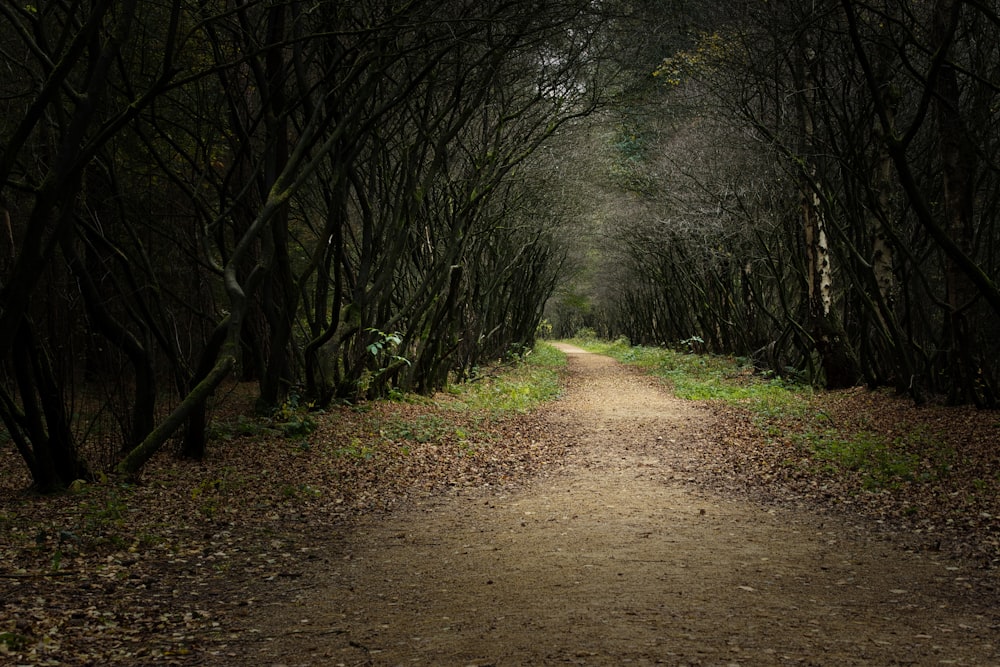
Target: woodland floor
616 525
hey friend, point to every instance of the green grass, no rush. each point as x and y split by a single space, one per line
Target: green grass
533 378
423 428
702 377
880 463
464 417
786 410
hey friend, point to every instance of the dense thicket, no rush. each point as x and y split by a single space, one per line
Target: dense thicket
331 199
819 190
335 200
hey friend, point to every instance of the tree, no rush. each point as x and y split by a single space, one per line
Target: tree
67 112
845 249
276 187
946 63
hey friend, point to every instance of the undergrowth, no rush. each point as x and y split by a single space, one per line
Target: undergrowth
464 414
532 377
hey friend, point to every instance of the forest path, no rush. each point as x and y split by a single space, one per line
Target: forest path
616 557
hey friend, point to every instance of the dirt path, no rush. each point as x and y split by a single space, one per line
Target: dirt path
619 558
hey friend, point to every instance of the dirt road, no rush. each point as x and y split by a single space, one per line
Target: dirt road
619 557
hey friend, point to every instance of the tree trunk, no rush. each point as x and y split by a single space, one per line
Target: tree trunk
133 462
959 163
195 437
280 296
55 461
840 367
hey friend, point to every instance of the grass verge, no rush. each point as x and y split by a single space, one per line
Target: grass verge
532 378
113 573
790 413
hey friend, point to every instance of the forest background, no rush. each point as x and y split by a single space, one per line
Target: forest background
338 202
231 227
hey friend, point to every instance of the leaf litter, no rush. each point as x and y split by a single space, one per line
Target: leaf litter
156 572
930 474
164 571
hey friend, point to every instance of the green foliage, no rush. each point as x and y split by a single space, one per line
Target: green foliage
385 344
938 458
13 641
532 379
212 493
630 168
422 429
383 349
299 492
357 449
882 464
631 144
544 330
783 410
684 65
293 418
887 463
242 426
101 514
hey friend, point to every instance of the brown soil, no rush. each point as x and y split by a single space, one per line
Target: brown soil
620 555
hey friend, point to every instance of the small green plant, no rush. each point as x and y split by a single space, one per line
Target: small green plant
206 487
207 493
384 342
544 329
357 449
294 418
300 491
517 353
384 347
693 345
881 464
148 539
103 514
211 493
12 641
